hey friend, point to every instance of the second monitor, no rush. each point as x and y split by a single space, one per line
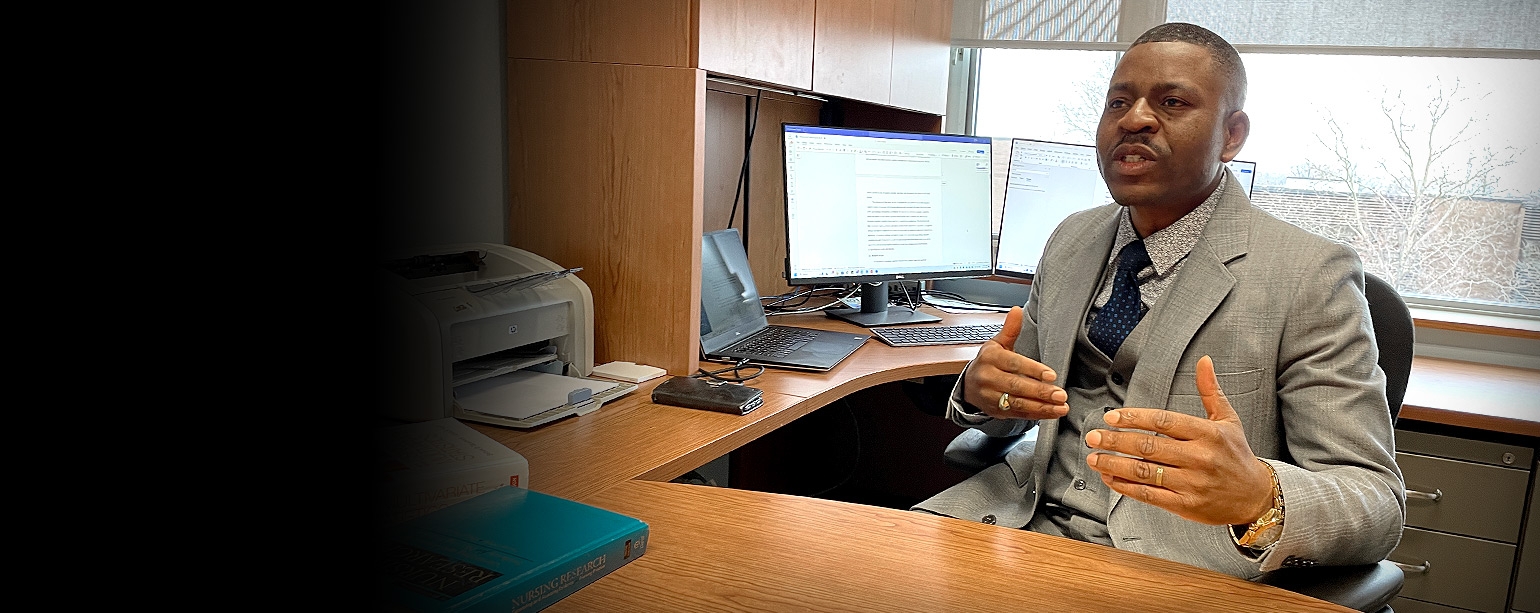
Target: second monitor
1047 182
873 206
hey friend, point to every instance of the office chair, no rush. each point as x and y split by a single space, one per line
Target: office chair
1369 587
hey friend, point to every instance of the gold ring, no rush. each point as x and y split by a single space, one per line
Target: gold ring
1005 401
1160 473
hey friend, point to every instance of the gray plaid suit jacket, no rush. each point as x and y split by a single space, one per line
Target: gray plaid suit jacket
1282 313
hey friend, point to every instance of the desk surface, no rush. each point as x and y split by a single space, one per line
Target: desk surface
716 549
721 549
631 438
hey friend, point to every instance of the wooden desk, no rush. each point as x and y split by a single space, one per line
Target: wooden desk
716 549
632 438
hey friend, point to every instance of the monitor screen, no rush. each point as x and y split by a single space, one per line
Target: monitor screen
1245 172
879 205
1045 183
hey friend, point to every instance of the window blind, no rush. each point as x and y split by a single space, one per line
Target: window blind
1471 24
983 23
1501 25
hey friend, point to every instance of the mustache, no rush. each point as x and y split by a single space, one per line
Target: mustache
1139 138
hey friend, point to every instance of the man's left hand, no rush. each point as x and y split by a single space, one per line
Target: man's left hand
1202 469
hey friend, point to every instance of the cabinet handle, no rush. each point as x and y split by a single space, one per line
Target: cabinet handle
1423 569
1437 494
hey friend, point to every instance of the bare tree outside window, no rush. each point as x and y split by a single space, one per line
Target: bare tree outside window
1428 167
1082 112
1422 212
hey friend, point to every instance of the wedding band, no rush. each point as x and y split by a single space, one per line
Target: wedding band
1005 401
1160 473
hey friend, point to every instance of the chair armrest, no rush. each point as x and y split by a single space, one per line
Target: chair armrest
1368 587
973 451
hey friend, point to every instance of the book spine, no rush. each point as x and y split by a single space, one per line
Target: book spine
575 573
420 496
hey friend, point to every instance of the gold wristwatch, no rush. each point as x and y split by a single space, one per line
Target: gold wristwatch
1263 533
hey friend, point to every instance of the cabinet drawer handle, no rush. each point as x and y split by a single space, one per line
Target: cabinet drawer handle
1423 569
1437 494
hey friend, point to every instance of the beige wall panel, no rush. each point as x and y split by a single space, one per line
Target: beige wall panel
725 115
763 40
853 49
767 190
605 163
654 33
922 31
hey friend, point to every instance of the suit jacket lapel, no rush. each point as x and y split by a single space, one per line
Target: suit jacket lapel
1083 258
1200 287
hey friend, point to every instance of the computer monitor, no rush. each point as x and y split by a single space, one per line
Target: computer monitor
873 206
1246 172
1045 183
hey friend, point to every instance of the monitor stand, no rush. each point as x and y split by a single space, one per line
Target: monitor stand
874 310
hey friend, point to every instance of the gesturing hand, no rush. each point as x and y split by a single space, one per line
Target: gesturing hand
998 369
1203 470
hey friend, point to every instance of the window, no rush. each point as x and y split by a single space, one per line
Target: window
1419 152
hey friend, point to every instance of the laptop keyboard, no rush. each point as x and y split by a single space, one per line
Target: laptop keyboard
775 341
916 336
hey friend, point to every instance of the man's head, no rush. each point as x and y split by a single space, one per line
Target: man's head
1172 118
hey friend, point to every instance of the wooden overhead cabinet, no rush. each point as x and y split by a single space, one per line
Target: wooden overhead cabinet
770 41
608 128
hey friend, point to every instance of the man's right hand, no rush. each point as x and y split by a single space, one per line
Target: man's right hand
998 369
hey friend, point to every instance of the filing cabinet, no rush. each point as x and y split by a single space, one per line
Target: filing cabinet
1526 587
1465 517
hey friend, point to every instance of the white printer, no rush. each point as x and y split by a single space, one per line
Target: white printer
487 333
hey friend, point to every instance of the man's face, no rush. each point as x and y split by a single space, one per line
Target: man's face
1163 130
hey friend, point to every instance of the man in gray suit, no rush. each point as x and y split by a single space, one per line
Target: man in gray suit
1202 375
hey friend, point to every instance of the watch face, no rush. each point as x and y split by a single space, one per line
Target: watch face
1269 535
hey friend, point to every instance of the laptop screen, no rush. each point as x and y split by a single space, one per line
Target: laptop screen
730 307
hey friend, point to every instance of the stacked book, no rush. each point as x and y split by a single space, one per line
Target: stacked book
509 549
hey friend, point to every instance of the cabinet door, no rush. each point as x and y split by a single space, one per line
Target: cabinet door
922 44
761 40
655 33
853 49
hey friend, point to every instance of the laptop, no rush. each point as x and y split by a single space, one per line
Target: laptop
733 326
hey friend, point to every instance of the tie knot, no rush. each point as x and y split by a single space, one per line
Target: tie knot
1134 257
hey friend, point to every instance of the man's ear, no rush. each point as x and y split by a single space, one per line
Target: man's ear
1237 128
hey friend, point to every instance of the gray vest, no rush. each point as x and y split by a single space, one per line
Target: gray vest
1074 501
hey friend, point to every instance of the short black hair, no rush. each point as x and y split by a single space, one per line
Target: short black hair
1225 56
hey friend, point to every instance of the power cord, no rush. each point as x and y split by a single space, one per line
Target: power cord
737 376
743 173
960 298
837 302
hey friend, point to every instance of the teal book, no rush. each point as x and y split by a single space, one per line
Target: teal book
509 549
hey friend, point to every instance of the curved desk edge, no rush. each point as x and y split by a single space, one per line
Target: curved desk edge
632 438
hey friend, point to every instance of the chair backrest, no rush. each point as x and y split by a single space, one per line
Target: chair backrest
1395 336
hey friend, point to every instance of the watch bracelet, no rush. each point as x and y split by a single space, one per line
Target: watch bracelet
1247 538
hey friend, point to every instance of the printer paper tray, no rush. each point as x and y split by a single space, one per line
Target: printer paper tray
549 415
471 371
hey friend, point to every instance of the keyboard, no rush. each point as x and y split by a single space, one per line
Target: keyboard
917 336
775 341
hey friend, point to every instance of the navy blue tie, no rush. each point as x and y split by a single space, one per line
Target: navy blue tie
1122 312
